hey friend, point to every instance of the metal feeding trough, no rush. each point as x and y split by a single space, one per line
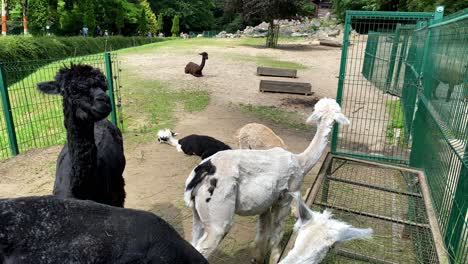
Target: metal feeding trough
392 200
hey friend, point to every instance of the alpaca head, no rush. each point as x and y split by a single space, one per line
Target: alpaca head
204 55
165 134
83 89
328 109
318 232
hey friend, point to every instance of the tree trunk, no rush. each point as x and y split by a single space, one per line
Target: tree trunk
271 43
4 16
24 4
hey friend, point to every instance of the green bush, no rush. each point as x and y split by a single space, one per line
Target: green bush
19 48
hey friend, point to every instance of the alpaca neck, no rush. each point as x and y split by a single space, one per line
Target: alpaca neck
202 65
312 154
83 156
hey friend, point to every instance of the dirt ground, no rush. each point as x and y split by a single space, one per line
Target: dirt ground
155 173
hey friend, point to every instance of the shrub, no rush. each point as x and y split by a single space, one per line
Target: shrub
19 48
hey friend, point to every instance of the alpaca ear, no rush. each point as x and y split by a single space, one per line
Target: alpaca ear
304 213
352 233
51 87
341 119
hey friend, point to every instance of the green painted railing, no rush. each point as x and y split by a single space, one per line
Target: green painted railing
31 119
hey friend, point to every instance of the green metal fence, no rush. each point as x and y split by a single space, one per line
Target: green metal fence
31 119
404 84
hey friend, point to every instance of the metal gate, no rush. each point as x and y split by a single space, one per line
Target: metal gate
379 66
404 85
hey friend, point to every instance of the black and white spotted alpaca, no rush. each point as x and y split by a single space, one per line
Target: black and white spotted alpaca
49 229
202 146
91 164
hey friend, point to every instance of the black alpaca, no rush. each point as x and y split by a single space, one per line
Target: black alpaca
202 146
91 163
195 69
49 229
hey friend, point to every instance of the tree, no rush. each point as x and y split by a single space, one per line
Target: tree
175 26
24 6
142 24
269 10
150 17
38 14
160 22
4 16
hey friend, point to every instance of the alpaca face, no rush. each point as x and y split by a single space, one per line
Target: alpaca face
204 55
317 233
84 92
329 109
165 134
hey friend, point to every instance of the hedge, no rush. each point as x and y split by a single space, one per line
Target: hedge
20 48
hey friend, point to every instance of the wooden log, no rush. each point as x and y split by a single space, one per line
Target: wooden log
330 43
285 87
276 72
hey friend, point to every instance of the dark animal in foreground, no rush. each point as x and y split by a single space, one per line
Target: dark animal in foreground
195 69
202 146
49 229
91 164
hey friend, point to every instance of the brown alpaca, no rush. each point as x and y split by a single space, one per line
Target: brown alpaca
195 69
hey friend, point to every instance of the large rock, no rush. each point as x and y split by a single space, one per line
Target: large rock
333 33
295 34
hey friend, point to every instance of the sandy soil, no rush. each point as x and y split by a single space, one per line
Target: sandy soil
155 173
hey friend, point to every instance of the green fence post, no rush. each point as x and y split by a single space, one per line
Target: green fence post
339 94
7 112
110 85
393 55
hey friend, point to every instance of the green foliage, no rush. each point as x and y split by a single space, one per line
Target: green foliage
38 15
86 8
160 22
25 48
150 17
142 24
175 26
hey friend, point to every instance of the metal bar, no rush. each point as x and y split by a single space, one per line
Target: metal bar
387 14
110 85
448 21
356 256
393 54
431 215
403 50
7 112
358 155
339 94
386 218
373 187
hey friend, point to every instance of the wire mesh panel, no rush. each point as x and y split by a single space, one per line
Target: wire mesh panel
371 82
38 118
441 128
387 199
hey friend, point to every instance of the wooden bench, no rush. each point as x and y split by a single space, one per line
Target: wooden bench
285 87
276 72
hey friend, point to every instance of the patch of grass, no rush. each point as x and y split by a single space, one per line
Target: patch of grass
397 122
276 115
267 61
151 105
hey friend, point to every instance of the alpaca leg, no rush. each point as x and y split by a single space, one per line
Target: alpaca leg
197 228
279 213
449 92
262 239
435 85
216 212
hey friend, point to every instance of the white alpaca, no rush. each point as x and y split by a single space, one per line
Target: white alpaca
253 182
317 233
258 136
